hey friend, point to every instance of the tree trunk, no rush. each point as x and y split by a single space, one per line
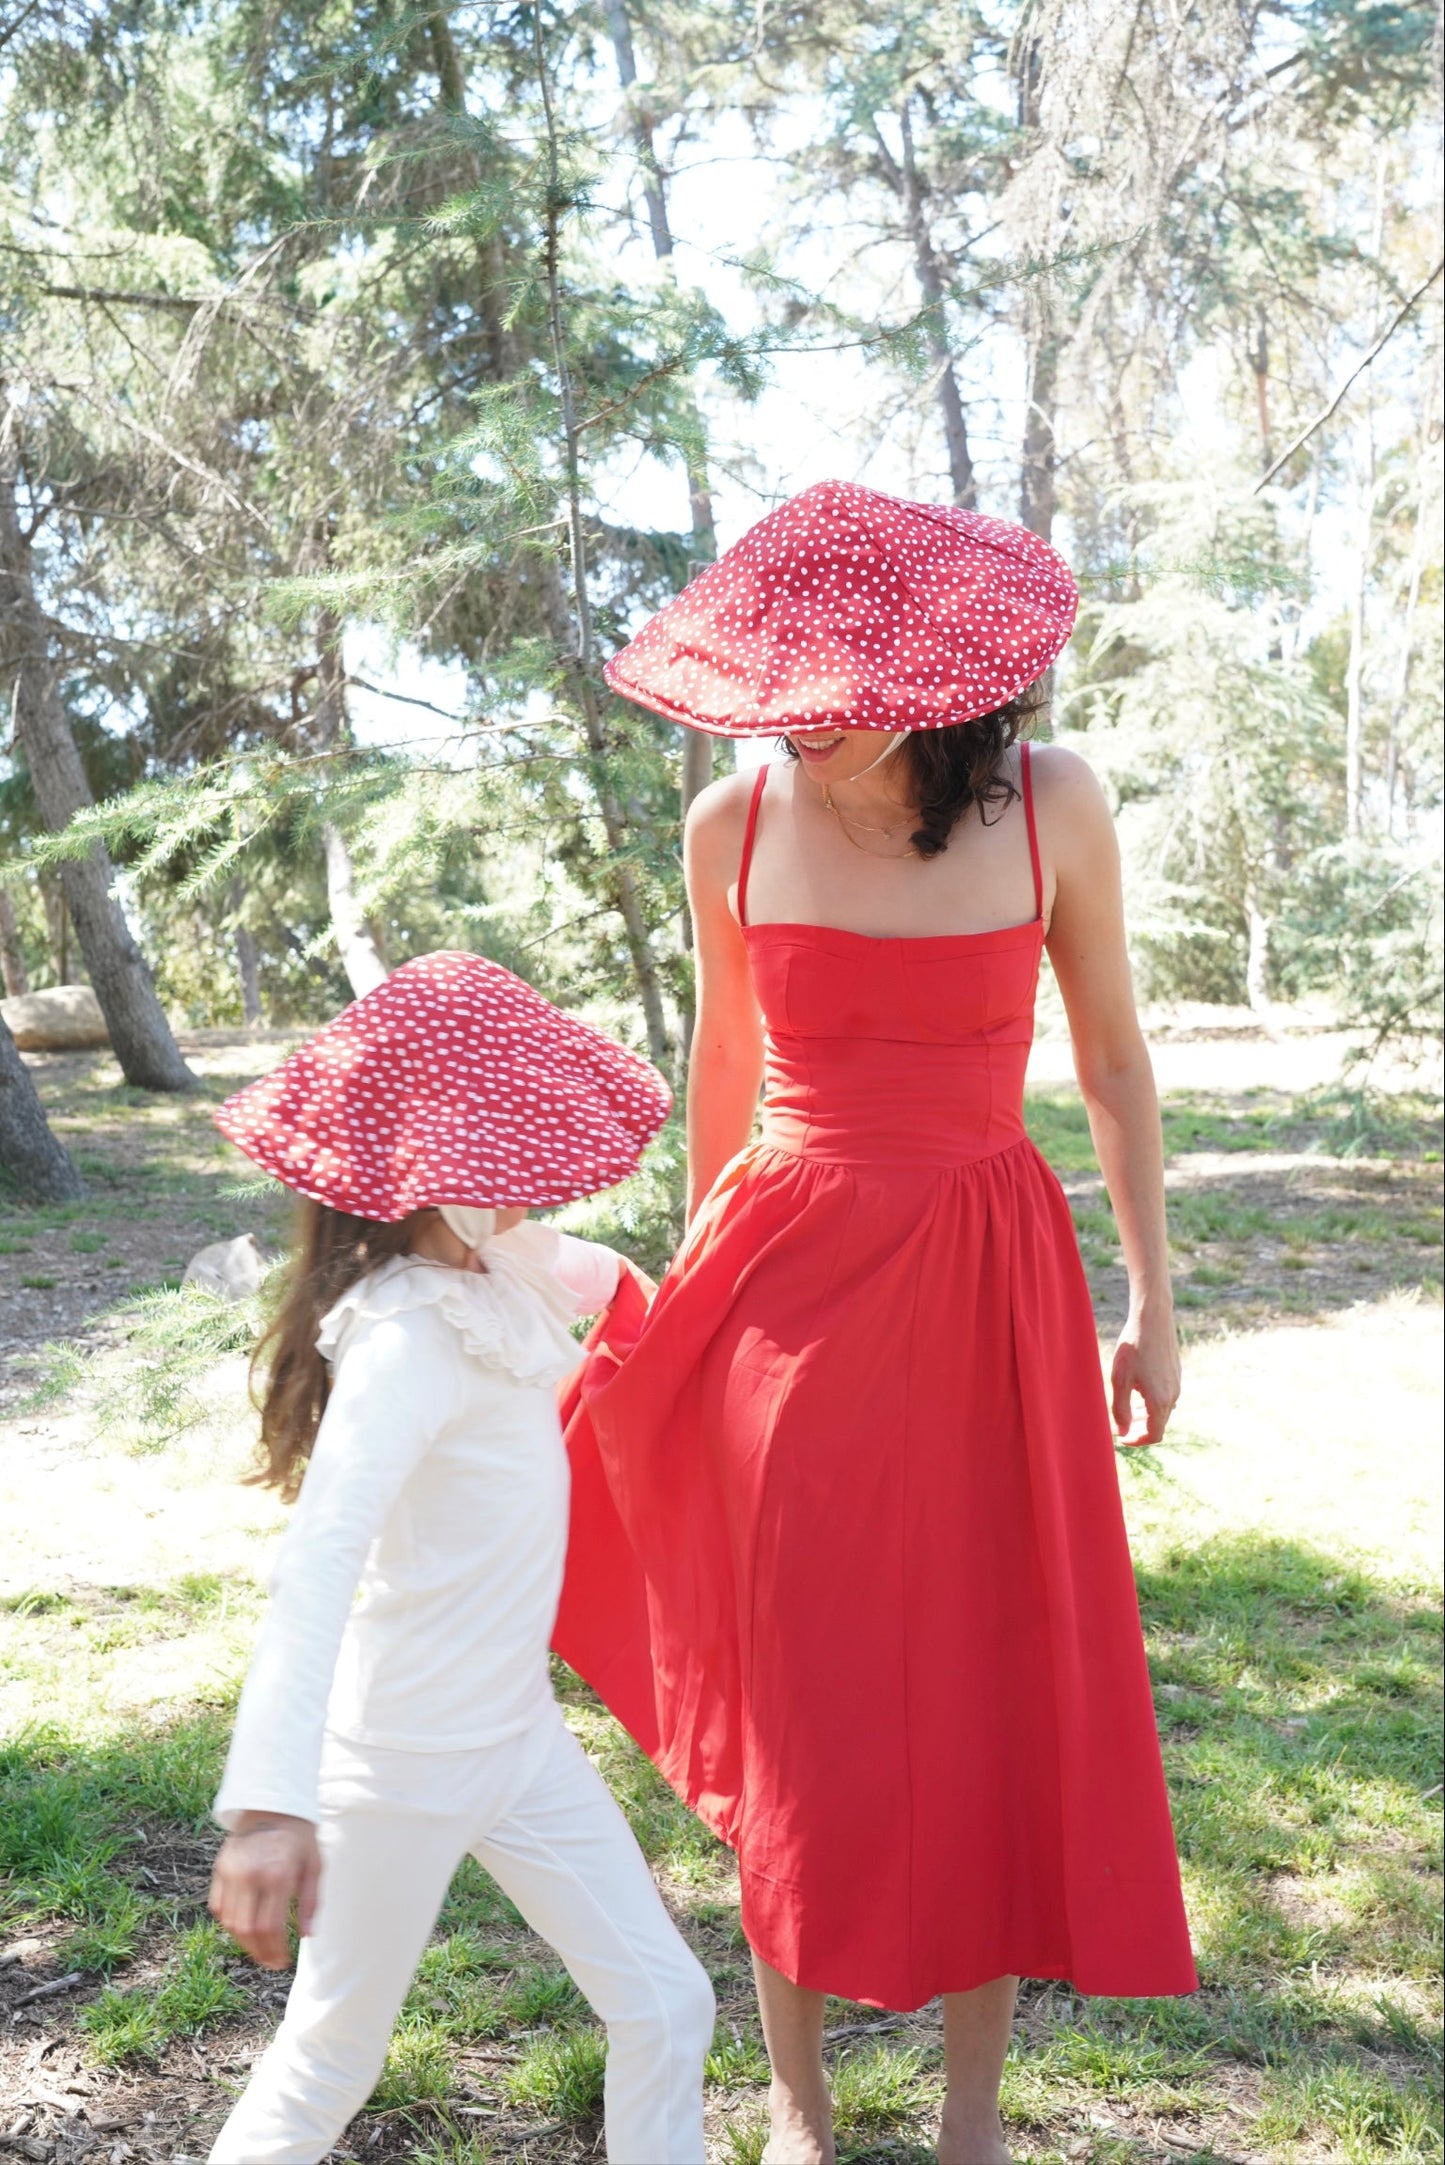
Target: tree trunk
696 773
148 1054
1259 362
572 638
248 969
360 956
12 954
574 631
502 352
653 193
697 748
364 967
1256 966
1354 680
930 285
1355 666
1036 480
31 1158
248 962
1400 697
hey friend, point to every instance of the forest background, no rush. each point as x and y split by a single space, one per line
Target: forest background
368 373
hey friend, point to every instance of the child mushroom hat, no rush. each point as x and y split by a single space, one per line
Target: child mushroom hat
848 609
453 1083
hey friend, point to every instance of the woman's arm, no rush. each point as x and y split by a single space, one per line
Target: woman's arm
1087 948
725 1071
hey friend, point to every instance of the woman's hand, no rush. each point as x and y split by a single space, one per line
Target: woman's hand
268 1861
1146 1364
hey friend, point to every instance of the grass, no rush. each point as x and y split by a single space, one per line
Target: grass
1295 1658
1359 2114
1338 1226
196 1992
668 1832
418 2071
736 2062
561 2077
69 1838
877 2091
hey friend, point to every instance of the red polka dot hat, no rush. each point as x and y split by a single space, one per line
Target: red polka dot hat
846 609
453 1082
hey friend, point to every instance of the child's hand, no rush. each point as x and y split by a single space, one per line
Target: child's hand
268 1861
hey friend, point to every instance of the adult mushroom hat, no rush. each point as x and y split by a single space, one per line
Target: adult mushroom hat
454 1082
848 609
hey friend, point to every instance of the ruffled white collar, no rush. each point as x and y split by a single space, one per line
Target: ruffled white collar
512 1316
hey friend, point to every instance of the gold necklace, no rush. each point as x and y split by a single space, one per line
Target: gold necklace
846 821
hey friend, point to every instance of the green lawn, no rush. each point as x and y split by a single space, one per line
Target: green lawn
1292 1617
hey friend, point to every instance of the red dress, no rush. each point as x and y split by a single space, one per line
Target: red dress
847 1551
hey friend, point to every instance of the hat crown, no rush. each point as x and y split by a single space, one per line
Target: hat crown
852 608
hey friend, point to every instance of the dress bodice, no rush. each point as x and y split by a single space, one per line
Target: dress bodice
897 1050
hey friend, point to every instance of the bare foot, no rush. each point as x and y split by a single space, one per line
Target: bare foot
964 2142
796 2135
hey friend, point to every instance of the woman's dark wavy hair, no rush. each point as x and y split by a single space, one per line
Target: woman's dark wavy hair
962 764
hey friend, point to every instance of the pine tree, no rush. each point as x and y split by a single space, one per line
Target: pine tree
32 1161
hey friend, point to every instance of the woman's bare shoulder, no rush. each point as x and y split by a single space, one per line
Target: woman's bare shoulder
723 802
716 820
1075 823
1060 776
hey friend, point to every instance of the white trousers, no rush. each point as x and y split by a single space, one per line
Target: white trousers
536 1813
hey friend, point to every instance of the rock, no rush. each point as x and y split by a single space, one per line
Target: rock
232 1268
64 1018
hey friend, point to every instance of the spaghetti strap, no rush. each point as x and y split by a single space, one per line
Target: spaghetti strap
1028 782
749 833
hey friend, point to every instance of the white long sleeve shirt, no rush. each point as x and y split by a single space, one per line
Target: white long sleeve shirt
438 1484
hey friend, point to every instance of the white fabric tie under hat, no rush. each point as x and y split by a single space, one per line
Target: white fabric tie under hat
473 1228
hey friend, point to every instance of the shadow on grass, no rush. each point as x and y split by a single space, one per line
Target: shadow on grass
1299 1712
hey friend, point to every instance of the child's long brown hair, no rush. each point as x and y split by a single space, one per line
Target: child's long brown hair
330 1252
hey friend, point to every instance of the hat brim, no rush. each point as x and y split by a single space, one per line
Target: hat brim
454 1082
775 724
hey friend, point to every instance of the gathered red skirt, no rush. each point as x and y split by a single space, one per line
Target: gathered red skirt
848 1559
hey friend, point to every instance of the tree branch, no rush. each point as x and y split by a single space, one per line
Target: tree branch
10 29
1358 370
123 300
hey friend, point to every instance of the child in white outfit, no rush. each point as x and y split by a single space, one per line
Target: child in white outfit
379 1743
